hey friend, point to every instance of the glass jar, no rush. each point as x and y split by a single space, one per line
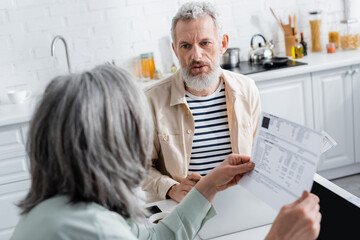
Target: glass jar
349 38
151 65
334 30
315 27
145 66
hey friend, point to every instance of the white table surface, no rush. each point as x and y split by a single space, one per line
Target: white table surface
260 232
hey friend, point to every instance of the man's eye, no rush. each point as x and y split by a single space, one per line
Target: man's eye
205 43
185 46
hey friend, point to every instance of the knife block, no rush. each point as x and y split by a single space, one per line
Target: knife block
289 43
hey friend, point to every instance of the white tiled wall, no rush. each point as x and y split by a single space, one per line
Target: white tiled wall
98 31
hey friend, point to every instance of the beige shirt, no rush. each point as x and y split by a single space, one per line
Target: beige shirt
174 127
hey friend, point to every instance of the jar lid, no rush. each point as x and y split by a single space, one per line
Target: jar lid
144 55
314 12
350 20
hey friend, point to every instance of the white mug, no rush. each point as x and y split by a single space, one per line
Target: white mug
18 96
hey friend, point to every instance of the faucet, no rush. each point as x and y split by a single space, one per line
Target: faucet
53 44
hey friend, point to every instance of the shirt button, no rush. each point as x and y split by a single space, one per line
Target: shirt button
189 131
166 138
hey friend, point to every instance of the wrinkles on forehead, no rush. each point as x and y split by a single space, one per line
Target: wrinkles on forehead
194 30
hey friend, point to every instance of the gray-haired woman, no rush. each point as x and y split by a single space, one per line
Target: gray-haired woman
89 146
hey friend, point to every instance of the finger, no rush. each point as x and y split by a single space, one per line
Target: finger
239 159
310 201
194 177
242 168
304 195
238 177
189 182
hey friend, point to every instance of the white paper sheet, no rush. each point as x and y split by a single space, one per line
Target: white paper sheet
286 155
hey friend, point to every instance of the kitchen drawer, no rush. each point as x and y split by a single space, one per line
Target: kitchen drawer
10 194
11 140
14 169
14 165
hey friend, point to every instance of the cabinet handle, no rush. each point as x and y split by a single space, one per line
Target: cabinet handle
349 72
355 71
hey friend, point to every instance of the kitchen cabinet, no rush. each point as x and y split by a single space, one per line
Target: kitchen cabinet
14 175
335 111
356 103
10 194
288 97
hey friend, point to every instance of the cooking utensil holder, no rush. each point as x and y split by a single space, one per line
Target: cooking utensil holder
289 42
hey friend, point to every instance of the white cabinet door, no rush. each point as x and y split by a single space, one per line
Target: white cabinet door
289 97
356 99
13 163
333 113
10 194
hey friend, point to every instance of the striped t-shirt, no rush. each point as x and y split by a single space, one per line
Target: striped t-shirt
211 144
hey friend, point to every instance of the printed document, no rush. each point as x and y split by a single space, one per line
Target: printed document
286 155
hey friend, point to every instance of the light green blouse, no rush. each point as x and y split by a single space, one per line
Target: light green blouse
55 219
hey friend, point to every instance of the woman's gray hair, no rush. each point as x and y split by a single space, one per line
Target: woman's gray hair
196 10
90 139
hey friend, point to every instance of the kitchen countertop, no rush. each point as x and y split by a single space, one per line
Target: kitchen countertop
19 113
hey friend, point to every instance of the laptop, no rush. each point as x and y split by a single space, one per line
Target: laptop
340 210
236 210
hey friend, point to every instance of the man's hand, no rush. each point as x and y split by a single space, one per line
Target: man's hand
298 220
179 191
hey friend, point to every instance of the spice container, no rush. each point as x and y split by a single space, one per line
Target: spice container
331 47
315 27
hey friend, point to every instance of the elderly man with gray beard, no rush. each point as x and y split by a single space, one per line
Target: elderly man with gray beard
202 113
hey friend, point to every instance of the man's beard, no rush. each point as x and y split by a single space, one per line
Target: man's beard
199 82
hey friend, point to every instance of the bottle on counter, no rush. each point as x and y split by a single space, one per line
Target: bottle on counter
297 50
173 68
303 43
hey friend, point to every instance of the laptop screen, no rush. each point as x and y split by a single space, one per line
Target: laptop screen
340 218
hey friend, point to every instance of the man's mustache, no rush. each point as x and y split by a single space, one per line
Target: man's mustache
202 63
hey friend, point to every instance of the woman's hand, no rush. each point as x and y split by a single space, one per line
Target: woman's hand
227 174
298 220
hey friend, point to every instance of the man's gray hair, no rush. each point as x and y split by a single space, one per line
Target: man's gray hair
196 10
90 139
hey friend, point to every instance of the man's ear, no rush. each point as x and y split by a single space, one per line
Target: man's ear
224 43
172 44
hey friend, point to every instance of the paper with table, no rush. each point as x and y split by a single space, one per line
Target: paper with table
286 155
